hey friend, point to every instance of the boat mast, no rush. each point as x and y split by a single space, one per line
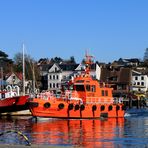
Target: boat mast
23 72
33 79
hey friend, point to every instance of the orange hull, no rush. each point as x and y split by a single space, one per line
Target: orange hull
64 109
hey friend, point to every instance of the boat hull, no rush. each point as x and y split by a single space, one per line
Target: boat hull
14 104
64 109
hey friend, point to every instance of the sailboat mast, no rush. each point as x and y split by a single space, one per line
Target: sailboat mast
33 79
23 72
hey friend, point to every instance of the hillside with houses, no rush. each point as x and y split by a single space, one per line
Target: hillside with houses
125 76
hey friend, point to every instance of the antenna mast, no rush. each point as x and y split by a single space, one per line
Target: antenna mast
88 63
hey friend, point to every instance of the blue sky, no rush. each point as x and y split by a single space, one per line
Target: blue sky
108 29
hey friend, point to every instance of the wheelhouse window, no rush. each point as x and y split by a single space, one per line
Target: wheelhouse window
88 87
79 88
102 92
93 88
106 93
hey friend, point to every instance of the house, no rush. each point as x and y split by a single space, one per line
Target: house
117 78
139 82
133 62
14 78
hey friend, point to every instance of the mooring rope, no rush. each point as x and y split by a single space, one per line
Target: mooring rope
19 133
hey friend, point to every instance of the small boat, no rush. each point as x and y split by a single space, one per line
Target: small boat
85 98
11 101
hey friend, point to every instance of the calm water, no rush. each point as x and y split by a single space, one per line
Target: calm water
129 132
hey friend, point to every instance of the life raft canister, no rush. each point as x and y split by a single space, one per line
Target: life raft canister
94 108
61 106
77 107
70 106
47 105
82 107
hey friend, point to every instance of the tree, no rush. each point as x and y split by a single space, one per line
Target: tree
31 68
56 60
72 60
5 62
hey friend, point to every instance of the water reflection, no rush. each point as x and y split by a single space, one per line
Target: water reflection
112 132
90 133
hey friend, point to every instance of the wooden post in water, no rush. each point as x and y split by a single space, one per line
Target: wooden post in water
138 102
130 102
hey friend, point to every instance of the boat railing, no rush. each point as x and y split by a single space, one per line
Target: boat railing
98 100
78 100
46 95
71 96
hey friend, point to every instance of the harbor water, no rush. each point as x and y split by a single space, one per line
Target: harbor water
127 132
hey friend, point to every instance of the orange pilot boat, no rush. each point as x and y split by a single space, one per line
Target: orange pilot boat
86 98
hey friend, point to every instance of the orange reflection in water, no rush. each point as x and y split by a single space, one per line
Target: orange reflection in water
88 133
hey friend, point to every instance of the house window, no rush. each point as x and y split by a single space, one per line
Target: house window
57 85
53 85
50 85
13 77
114 78
138 83
136 78
50 77
54 77
55 69
142 83
142 78
57 77
64 77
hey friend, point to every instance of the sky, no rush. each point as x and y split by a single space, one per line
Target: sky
106 29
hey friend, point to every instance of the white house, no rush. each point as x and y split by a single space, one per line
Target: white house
14 78
139 82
